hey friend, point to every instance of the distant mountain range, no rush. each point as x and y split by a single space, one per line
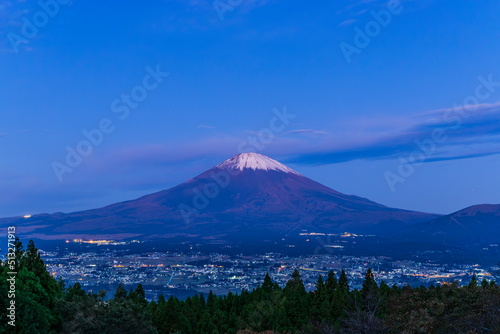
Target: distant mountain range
249 196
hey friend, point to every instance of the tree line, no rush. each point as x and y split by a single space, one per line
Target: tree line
46 305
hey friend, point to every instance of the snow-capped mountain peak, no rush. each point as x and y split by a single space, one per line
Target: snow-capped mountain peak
255 161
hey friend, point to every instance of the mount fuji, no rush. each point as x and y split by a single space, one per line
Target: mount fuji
247 196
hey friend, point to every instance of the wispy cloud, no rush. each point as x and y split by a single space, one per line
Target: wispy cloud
347 22
307 132
467 132
357 8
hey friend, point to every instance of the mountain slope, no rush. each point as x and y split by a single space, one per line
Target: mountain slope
475 224
249 194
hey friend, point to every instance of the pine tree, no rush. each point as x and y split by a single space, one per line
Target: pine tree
369 284
320 286
128 313
331 281
121 292
296 301
74 292
321 300
19 252
295 283
343 282
340 299
212 303
333 297
473 282
138 296
268 285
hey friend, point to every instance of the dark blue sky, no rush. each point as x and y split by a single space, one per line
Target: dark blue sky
408 116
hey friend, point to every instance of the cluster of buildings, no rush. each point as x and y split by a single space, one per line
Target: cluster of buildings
185 273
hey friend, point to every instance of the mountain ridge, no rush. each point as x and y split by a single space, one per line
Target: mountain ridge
474 224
